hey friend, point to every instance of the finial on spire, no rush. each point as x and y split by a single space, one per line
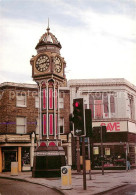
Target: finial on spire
48 28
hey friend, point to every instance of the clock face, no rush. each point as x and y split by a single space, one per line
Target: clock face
58 64
42 63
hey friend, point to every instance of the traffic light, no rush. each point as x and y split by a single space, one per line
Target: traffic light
78 112
88 122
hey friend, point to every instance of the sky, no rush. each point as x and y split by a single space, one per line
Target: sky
98 37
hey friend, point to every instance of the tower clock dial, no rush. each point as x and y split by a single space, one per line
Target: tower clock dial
42 63
58 64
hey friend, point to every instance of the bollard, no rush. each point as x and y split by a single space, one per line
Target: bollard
14 168
66 182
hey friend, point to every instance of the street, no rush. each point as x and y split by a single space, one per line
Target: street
126 190
12 187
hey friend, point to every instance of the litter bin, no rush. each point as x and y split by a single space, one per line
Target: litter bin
14 168
66 182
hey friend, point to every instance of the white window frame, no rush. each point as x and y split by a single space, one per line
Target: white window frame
37 126
19 98
36 102
61 103
21 124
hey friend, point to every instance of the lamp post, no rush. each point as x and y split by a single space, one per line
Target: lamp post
102 150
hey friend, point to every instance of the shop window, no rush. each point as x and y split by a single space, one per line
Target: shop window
25 156
21 125
61 125
21 99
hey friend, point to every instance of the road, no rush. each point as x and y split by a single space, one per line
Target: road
127 190
12 187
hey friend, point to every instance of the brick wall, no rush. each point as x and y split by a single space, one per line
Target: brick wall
9 111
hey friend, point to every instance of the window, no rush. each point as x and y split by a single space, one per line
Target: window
105 103
112 104
61 124
21 125
61 100
21 99
25 156
101 104
131 104
36 102
95 104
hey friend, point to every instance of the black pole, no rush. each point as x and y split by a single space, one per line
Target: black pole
78 155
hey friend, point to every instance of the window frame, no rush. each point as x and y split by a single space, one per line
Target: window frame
18 101
24 125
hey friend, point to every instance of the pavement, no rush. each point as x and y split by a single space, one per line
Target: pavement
98 184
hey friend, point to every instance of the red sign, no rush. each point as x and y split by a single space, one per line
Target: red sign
112 126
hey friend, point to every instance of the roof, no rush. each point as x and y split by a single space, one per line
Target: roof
101 81
48 39
26 85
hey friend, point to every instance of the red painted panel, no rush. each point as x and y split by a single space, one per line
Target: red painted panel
44 99
51 124
44 124
43 144
52 144
56 99
50 98
56 126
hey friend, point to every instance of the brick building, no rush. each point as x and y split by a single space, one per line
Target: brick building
19 124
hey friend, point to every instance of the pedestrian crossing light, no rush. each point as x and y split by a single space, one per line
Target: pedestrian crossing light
78 113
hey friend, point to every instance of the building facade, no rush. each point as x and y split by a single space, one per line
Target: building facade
113 104
19 124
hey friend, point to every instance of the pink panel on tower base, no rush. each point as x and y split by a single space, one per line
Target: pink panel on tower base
52 144
44 99
44 124
50 124
56 99
56 125
50 98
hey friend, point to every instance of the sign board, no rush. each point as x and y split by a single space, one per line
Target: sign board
116 126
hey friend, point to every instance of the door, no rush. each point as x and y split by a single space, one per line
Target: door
10 156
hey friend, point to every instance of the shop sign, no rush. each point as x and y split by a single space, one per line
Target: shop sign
112 126
120 126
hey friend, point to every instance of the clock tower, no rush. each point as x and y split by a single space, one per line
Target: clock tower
48 71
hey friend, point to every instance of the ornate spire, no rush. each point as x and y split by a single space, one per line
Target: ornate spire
48 28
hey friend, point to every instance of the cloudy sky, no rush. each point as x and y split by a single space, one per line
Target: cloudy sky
98 37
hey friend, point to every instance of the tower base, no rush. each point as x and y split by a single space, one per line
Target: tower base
48 161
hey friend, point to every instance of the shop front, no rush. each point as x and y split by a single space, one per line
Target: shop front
116 147
16 148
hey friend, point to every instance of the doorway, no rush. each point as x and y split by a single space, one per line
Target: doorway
10 156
